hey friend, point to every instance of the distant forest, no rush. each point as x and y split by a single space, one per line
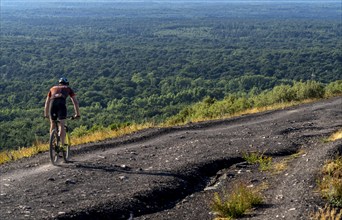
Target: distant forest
145 61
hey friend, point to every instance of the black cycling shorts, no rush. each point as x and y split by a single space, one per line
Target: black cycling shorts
58 109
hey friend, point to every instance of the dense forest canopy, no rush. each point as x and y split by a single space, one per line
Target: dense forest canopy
131 61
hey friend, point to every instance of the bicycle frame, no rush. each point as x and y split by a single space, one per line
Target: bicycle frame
55 145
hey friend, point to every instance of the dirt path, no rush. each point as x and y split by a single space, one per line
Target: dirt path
171 173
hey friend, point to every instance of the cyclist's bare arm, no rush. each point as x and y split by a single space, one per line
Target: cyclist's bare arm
76 106
46 108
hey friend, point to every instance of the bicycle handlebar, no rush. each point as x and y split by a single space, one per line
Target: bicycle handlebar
74 117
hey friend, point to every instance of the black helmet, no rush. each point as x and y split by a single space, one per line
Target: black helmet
63 81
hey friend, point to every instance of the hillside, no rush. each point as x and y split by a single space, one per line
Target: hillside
138 61
172 173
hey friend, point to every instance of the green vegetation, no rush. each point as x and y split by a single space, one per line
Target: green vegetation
331 183
263 161
335 136
211 108
330 186
132 63
282 165
200 111
235 204
327 213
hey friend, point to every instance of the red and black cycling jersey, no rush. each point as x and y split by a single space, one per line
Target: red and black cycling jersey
60 91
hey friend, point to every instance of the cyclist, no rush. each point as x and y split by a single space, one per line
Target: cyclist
55 105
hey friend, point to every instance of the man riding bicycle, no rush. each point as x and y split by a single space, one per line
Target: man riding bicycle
55 105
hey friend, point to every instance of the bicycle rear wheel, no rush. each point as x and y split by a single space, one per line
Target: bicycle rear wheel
54 144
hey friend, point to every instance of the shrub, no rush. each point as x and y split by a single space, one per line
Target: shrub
282 93
308 90
327 213
264 162
333 88
331 183
237 203
80 131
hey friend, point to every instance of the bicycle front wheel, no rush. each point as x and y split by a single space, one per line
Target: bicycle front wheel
66 150
54 144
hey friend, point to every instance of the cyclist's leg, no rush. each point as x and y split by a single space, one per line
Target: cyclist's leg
62 131
53 115
52 125
62 113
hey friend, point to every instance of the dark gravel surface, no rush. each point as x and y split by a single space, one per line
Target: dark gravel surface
172 173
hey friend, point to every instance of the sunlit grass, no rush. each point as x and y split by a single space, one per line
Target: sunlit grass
330 185
335 136
263 161
108 133
327 213
282 165
266 163
248 111
11 155
235 204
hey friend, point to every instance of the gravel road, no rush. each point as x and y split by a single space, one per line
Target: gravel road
172 173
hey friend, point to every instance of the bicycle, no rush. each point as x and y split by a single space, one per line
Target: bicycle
55 146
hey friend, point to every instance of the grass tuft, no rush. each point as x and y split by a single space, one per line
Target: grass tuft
327 213
335 136
283 164
331 183
235 204
263 161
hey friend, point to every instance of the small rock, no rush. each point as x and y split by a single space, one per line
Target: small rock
210 188
230 175
279 197
292 209
69 181
241 165
122 177
61 213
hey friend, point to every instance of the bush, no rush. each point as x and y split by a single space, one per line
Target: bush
307 90
331 183
237 203
80 131
333 88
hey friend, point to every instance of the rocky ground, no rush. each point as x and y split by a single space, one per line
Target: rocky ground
172 173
